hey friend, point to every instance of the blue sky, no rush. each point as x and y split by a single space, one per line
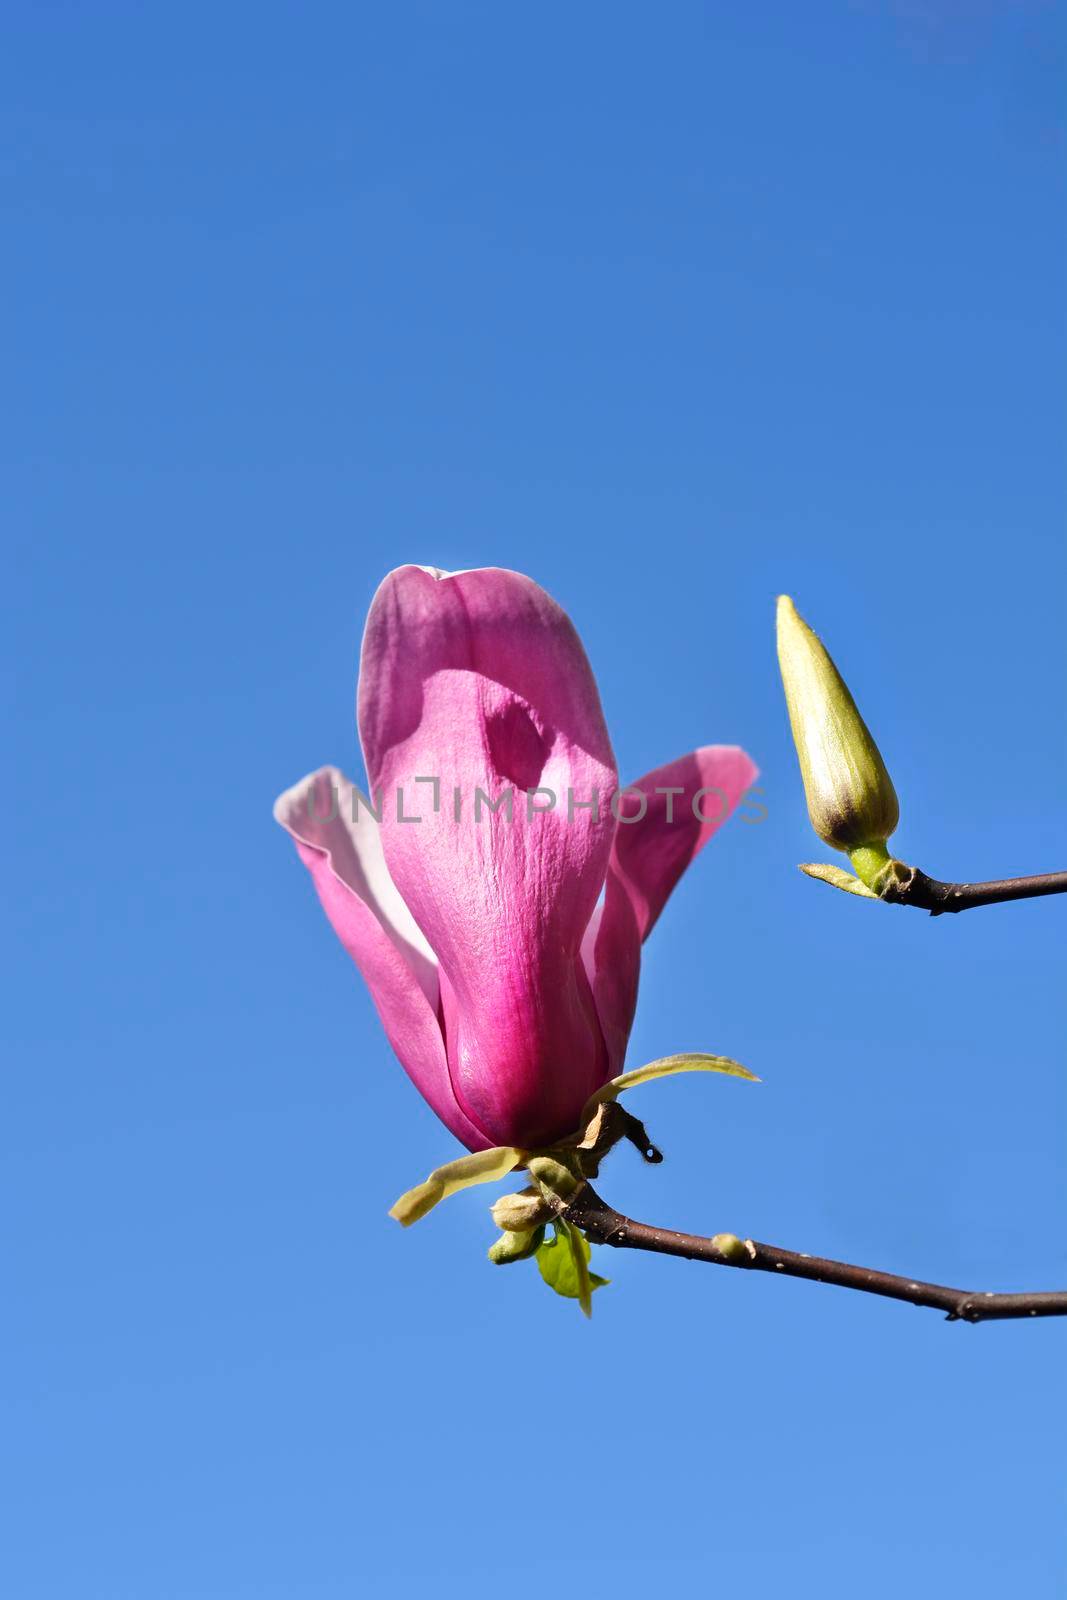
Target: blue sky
673 308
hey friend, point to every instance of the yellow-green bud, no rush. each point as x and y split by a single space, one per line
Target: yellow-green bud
850 795
554 1176
515 1246
516 1212
730 1247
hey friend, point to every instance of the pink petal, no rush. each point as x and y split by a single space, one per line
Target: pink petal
340 845
648 858
478 679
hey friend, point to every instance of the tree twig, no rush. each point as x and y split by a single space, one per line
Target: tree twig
930 894
602 1224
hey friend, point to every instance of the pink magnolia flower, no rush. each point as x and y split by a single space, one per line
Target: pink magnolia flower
501 950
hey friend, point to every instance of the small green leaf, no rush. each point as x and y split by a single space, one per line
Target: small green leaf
484 1166
564 1264
837 878
665 1067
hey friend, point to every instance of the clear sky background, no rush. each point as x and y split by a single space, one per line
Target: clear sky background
672 307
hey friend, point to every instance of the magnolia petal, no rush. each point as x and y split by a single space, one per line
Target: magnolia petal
665 819
478 680
684 803
326 812
337 839
484 1166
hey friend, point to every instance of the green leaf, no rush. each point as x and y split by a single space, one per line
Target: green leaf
837 878
484 1166
665 1067
564 1264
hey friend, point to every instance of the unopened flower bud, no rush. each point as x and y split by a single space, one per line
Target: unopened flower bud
554 1176
851 800
515 1246
516 1212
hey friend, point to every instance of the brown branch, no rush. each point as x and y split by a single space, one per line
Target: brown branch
602 1224
930 894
